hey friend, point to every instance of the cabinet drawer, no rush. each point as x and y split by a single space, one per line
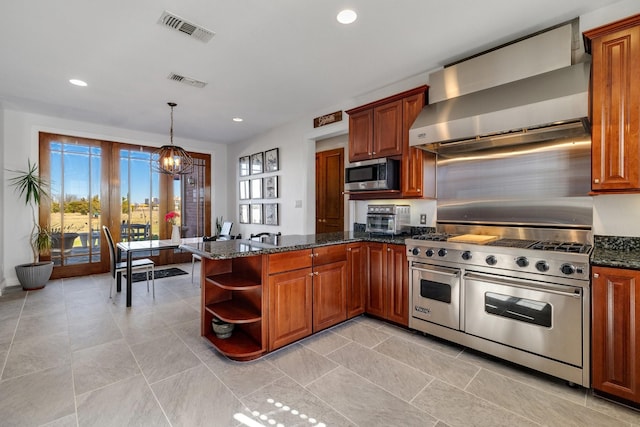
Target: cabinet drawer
328 254
288 261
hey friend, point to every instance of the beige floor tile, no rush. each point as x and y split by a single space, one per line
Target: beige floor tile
68 421
366 404
147 326
301 364
431 362
614 410
37 398
189 332
93 332
162 357
38 353
360 333
458 408
177 312
197 398
41 325
125 403
325 342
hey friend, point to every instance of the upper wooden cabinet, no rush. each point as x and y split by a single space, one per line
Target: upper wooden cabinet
381 129
616 332
615 99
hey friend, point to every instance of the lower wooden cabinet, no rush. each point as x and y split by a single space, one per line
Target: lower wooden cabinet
329 295
388 282
616 332
356 279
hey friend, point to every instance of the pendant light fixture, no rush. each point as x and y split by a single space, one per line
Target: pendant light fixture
173 160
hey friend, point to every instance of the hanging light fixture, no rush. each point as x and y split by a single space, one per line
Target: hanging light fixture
173 160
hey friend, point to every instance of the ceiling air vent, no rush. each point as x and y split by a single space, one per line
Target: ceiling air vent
186 80
192 30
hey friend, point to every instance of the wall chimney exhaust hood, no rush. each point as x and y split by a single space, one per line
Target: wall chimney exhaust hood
525 92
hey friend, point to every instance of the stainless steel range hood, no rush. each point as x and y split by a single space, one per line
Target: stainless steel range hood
525 92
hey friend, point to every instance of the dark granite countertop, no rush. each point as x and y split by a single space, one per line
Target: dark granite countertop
618 252
225 249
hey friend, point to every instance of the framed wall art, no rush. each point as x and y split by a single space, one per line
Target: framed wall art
272 161
270 187
257 163
256 188
256 213
245 217
245 193
244 166
270 213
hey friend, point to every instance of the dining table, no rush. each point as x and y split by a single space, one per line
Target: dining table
129 248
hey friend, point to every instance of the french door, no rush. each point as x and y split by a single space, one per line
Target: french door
95 183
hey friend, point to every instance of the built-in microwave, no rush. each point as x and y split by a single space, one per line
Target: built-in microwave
377 174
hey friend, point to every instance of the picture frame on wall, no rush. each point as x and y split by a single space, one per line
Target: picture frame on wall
244 165
245 193
256 188
270 187
257 163
272 160
256 213
271 213
245 217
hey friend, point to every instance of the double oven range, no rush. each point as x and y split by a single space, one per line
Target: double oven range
523 297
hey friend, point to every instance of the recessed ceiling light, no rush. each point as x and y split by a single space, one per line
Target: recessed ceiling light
238 119
78 82
347 16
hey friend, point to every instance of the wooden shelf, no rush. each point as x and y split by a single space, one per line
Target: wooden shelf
233 281
234 311
239 346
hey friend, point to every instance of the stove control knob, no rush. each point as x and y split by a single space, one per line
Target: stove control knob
415 251
491 260
522 261
442 252
542 266
568 268
429 252
466 255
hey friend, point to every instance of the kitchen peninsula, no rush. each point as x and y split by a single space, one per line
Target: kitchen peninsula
277 292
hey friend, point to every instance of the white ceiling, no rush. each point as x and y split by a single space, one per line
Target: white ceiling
270 62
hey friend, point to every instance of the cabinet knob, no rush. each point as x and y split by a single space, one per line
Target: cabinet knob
310 274
596 275
596 181
388 249
315 273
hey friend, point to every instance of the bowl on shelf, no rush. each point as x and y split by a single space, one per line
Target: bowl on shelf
221 328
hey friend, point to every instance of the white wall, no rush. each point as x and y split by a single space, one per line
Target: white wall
20 136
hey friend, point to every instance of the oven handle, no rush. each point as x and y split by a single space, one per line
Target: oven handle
547 287
431 269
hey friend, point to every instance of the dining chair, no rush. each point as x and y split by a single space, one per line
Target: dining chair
225 234
136 264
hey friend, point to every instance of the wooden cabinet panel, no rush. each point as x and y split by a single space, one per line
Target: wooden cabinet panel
412 161
616 332
287 261
360 135
615 101
397 285
290 307
387 130
356 277
329 295
376 273
329 254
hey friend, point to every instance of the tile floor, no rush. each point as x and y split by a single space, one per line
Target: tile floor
71 357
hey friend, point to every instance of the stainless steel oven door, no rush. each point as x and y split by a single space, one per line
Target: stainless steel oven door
435 294
538 317
381 223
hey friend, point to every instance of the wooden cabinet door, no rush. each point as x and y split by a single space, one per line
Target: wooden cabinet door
615 77
360 135
387 130
329 295
329 191
290 307
397 285
356 276
412 178
376 278
616 332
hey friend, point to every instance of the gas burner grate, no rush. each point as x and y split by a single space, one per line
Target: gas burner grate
433 237
578 248
513 243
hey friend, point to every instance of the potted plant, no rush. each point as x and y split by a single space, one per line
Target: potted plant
32 189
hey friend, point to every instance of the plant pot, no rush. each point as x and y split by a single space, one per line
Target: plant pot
222 329
34 276
58 240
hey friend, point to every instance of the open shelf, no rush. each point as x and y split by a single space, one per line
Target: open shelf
234 311
239 346
233 281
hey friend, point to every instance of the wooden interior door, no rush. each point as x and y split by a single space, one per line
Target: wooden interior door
329 191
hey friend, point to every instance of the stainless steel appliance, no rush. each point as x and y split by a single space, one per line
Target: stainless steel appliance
376 174
507 291
388 219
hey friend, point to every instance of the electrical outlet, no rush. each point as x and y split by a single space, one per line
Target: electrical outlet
423 218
